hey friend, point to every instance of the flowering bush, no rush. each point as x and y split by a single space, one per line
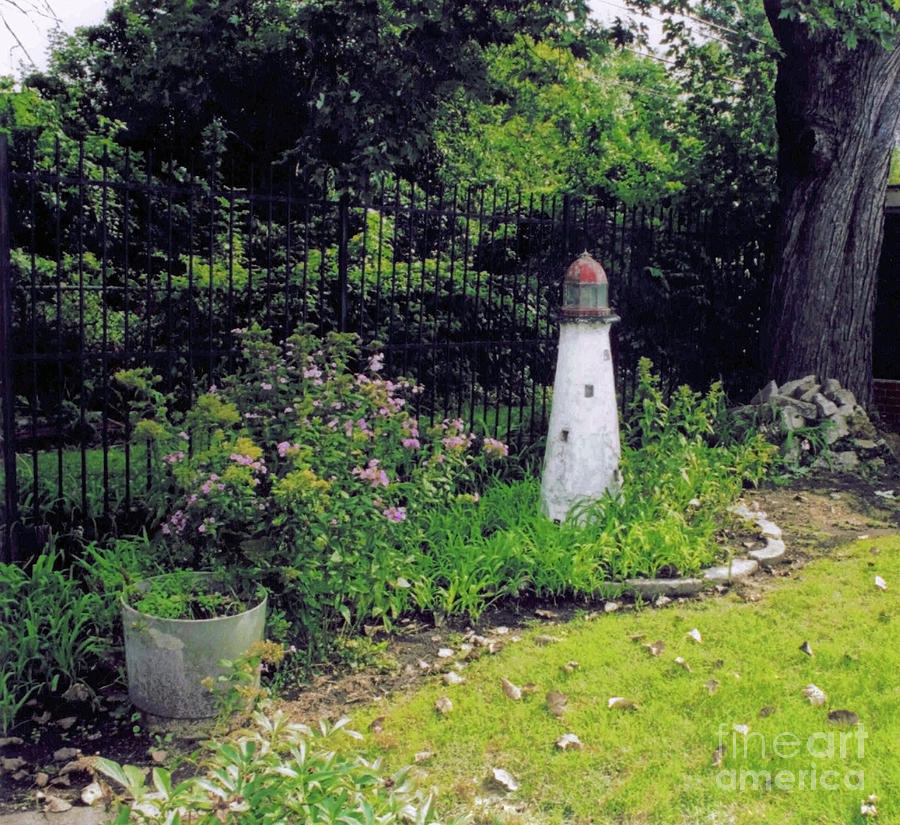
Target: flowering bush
308 477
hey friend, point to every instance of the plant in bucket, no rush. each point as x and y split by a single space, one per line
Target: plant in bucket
181 627
307 479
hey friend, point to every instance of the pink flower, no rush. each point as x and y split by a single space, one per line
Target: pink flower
411 443
266 385
495 449
394 513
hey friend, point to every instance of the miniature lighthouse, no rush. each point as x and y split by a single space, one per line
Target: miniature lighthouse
581 461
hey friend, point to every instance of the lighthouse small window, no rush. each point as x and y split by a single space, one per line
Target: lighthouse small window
588 390
564 435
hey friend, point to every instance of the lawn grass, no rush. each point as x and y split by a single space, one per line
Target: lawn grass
655 764
48 476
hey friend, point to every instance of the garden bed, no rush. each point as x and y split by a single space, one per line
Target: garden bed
815 515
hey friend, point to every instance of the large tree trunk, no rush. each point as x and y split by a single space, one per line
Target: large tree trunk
837 113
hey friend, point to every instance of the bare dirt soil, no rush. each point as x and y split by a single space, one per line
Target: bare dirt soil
816 514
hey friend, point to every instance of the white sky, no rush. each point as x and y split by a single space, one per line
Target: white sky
32 29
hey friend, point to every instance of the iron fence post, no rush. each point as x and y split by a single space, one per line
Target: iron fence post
10 482
343 259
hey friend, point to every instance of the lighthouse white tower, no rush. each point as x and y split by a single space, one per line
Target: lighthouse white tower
581 460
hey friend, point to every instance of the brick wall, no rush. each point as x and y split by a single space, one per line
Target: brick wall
887 402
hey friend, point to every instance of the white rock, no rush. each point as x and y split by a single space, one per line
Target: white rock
737 570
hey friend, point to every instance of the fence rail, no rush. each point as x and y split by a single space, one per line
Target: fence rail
111 262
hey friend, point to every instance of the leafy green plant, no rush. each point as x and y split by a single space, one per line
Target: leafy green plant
184 594
50 636
238 689
308 475
273 772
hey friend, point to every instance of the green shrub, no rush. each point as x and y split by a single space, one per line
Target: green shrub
682 467
50 636
305 472
277 771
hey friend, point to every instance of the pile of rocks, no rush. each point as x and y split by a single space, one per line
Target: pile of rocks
849 435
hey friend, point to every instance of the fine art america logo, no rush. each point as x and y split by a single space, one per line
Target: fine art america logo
825 759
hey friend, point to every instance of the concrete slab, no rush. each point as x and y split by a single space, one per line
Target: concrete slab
737 570
76 815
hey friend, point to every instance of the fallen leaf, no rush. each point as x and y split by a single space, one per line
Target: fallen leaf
815 695
868 807
695 635
556 702
843 717
66 722
505 779
718 756
83 763
711 686
79 692
452 678
41 779
371 629
377 725
65 754
91 793
11 764
513 692
743 730
546 614
444 653
638 637
681 662
569 740
656 647
423 756
19 776
423 665
621 703
611 607
54 804
529 687
661 601
570 667
718 664
880 583
158 755
546 640
768 710
806 648
501 630
10 740
41 719
443 705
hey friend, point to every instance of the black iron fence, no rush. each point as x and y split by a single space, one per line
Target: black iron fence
109 261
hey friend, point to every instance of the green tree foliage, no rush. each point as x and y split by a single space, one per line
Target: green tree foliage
721 54
559 121
332 84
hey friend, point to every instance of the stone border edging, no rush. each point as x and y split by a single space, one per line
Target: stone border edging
739 568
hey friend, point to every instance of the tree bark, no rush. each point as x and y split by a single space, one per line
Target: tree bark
837 113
